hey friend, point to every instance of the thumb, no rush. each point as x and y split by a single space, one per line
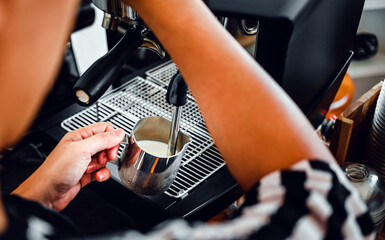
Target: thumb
103 141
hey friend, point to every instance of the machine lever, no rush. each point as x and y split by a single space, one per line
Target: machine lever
98 78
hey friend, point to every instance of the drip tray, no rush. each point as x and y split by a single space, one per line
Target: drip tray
140 98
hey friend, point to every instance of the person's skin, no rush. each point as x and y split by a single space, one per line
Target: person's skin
255 125
32 48
33 34
79 158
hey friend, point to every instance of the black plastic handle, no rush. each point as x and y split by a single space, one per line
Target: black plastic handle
86 16
97 79
177 91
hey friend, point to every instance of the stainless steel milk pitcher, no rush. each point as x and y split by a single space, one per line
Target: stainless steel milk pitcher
144 171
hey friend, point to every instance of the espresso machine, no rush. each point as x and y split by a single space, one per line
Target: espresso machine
305 45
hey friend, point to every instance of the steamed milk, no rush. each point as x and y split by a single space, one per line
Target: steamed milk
155 148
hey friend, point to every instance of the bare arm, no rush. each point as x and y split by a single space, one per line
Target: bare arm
255 125
32 39
33 34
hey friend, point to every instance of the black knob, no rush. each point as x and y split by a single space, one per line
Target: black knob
86 16
177 91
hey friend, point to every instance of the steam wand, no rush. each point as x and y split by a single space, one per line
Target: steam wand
176 96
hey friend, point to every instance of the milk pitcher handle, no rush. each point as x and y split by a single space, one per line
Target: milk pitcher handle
126 142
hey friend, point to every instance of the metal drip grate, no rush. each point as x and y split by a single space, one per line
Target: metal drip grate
140 98
163 73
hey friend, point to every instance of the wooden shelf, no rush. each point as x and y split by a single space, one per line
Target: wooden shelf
372 67
374 4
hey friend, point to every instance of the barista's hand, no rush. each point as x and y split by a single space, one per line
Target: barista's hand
79 158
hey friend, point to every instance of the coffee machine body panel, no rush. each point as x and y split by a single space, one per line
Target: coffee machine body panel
264 9
319 48
302 44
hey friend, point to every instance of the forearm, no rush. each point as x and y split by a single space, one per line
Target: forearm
33 34
254 123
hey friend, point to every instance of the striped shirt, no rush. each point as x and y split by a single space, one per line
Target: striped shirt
311 200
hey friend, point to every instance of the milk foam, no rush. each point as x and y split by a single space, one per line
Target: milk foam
155 148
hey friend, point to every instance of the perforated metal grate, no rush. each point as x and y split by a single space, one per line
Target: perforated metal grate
163 73
140 98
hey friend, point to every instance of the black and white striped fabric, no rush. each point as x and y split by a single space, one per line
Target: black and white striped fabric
311 200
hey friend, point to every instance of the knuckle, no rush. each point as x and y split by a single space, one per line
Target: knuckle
69 135
65 147
105 137
109 125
